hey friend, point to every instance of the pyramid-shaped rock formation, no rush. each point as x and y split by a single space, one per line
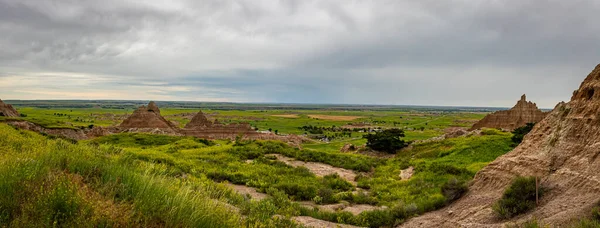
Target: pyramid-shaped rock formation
522 113
147 117
562 150
199 121
7 110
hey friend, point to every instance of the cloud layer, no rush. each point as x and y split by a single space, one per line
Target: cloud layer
428 52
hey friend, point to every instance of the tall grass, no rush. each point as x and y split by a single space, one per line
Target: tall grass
35 171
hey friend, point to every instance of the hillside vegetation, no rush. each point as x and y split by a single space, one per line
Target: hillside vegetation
143 180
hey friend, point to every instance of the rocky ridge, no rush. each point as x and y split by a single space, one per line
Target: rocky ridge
522 113
562 150
7 110
147 117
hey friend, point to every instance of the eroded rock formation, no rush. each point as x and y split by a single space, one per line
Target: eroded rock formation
562 150
147 117
522 113
7 110
199 121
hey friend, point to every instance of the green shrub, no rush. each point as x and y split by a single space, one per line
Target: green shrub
442 168
490 131
453 189
596 213
378 218
518 198
587 223
335 182
520 132
388 140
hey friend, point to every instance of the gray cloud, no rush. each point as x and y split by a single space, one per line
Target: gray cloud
458 52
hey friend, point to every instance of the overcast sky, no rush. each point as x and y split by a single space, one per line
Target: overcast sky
426 52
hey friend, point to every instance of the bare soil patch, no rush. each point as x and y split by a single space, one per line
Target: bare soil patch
355 209
245 190
319 169
317 223
340 118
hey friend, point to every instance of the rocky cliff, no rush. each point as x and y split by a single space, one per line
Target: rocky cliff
7 110
147 117
522 113
562 150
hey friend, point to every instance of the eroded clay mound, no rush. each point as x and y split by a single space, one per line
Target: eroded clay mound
199 121
562 150
522 113
147 117
7 110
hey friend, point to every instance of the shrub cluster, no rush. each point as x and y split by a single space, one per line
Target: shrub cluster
454 189
520 132
388 140
518 198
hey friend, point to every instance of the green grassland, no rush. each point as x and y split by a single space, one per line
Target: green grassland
418 125
154 180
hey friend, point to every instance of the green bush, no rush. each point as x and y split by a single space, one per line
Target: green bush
454 189
518 198
335 182
388 140
520 132
596 213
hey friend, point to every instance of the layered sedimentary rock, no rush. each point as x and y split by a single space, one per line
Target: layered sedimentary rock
562 151
147 117
7 110
199 120
200 126
522 113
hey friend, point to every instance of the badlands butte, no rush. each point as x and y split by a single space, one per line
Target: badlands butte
300 167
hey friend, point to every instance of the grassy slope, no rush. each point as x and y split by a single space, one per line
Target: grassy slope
127 178
435 163
54 183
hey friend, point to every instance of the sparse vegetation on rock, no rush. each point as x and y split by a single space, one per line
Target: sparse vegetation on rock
518 198
520 132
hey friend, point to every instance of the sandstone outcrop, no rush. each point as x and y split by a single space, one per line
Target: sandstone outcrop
522 113
562 150
199 120
7 110
147 117
200 126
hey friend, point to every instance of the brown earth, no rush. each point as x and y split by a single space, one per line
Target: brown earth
562 150
76 134
147 117
522 113
318 169
199 120
245 190
7 110
340 118
317 223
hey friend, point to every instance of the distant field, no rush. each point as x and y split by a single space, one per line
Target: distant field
342 118
418 124
287 116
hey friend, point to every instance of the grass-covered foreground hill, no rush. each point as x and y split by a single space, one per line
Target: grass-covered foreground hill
139 180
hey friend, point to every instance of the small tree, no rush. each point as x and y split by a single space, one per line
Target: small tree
388 140
520 132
